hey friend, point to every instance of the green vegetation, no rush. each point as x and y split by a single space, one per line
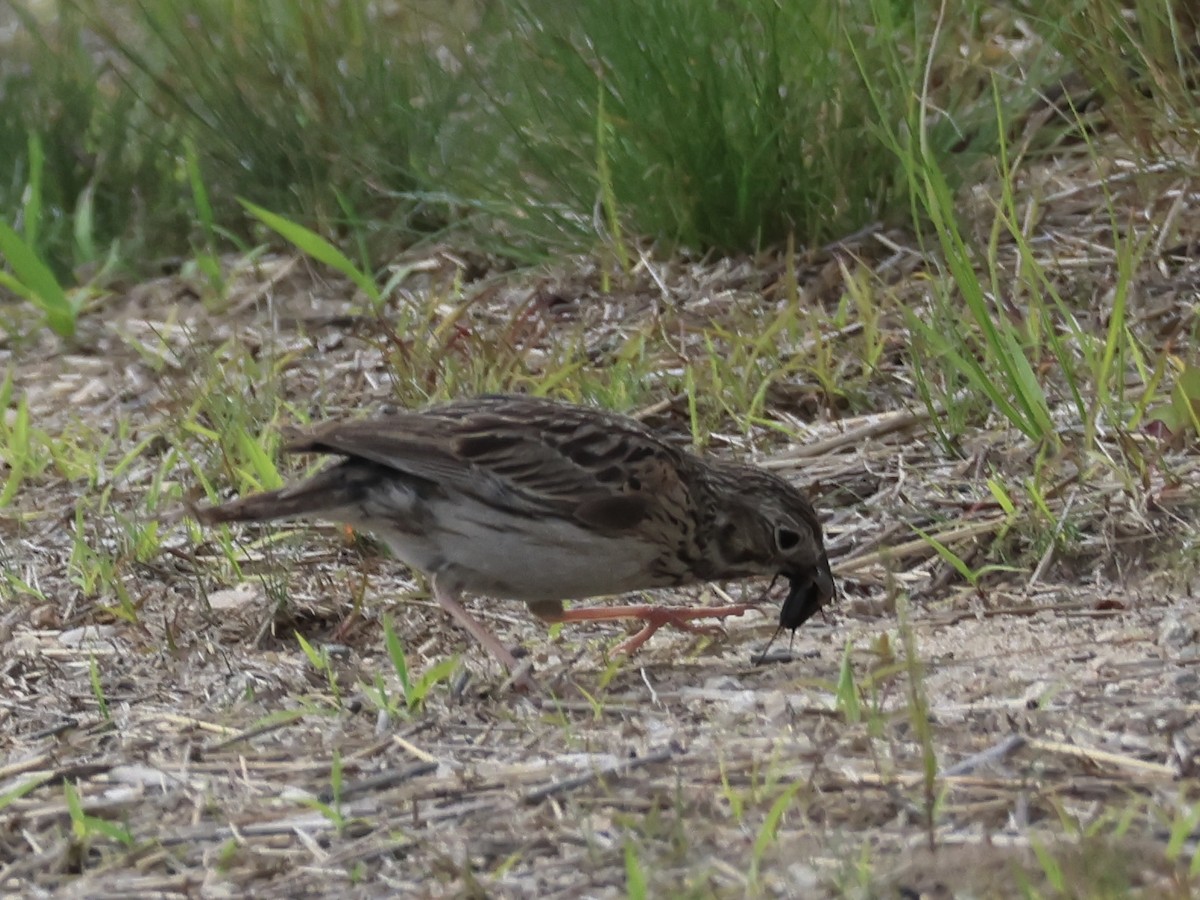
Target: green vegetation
703 127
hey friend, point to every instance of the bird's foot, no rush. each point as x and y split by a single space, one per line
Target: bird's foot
655 618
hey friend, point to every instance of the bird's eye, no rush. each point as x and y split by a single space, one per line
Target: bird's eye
786 538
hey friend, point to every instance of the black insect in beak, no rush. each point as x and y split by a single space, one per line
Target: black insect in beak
808 592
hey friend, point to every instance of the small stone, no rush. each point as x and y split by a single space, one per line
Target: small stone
237 596
1187 681
1175 632
723 683
87 635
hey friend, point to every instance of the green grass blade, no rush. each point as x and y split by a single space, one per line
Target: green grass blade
41 287
32 217
308 241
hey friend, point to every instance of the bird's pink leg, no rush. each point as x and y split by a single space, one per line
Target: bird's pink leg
655 618
521 679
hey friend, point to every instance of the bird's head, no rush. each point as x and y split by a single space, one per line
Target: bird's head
768 527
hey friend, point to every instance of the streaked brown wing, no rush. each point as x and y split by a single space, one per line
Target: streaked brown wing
533 457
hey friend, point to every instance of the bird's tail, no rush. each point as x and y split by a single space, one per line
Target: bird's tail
335 488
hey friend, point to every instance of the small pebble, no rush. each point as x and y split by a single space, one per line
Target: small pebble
781 655
1175 632
1187 681
723 683
88 634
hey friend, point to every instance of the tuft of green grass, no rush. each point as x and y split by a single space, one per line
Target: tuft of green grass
84 161
332 810
127 134
17 443
319 658
1179 415
635 875
205 249
846 697
86 827
414 691
973 576
311 243
96 572
1000 336
1133 67
33 280
988 352
768 832
332 111
711 126
98 689
237 423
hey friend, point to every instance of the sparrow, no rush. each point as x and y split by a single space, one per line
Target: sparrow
521 498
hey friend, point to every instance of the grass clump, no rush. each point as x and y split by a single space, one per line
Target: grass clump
144 124
707 127
84 162
724 127
327 116
1134 66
